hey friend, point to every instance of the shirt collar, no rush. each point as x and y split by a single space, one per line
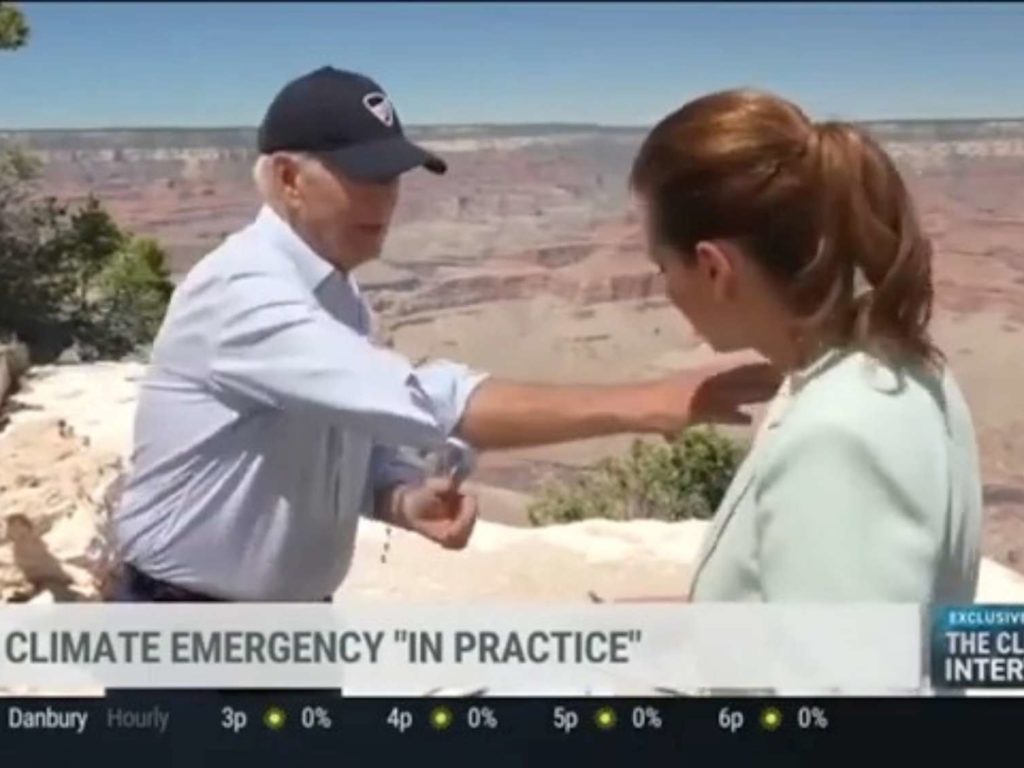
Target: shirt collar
313 269
794 383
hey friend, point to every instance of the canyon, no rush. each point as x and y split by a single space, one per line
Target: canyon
525 260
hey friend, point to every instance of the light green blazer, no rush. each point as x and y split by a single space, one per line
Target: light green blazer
862 485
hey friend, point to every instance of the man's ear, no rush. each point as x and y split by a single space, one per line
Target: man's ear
287 172
716 262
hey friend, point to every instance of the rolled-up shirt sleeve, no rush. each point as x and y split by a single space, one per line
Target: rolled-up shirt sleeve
449 386
275 347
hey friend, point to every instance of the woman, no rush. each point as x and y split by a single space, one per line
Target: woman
799 240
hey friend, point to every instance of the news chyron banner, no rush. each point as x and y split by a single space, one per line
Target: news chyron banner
413 649
978 646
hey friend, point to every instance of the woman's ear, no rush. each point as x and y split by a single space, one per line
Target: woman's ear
716 262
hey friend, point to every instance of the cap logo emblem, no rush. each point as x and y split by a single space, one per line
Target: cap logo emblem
380 106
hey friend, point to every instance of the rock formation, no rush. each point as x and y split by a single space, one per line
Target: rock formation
56 492
14 362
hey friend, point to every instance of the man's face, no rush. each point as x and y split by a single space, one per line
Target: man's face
347 220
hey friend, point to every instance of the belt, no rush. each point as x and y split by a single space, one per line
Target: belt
146 586
154 590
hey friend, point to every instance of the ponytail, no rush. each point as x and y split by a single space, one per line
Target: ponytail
872 242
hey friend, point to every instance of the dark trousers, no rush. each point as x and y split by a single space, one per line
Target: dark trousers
133 586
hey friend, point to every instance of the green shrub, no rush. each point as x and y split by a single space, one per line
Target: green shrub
71 276
684 479
132 293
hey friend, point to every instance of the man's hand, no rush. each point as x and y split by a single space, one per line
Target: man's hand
437 509
712 394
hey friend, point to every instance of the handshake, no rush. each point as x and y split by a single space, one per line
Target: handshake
503 415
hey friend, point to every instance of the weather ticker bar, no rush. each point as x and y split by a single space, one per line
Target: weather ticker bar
668 726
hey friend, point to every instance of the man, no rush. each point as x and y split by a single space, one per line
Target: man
268 420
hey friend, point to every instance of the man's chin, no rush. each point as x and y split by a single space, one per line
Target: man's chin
365 259
363 254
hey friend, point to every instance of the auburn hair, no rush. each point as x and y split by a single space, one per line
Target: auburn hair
820 206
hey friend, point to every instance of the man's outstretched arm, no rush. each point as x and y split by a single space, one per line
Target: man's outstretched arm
502 414
274 347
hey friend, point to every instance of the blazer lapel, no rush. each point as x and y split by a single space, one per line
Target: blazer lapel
737 490
744 475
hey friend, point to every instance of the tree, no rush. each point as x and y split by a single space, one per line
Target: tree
13 27
90 242
134 289
33 280
71 275
676 481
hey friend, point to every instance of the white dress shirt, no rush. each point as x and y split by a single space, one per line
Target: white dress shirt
266 421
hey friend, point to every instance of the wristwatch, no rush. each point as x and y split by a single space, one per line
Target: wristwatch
454 457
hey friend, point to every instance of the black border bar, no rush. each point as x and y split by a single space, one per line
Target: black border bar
334 730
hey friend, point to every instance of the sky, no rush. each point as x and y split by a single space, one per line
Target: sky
219 64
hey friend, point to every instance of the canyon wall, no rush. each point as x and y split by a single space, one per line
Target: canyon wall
523 259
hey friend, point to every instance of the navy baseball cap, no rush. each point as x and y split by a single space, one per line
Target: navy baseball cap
348 120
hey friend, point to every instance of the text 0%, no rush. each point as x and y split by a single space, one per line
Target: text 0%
481 717
315 717
646 717
812 717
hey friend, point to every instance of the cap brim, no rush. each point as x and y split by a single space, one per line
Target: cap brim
383 160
